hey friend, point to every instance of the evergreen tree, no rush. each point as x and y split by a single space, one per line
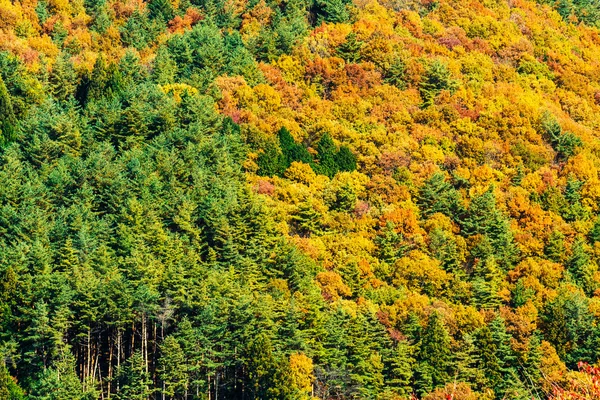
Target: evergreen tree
161 9
345 159
173 370
326 152
8 122
435 355
270 161
350 49
401 369
63 78
396 74
133 380
436 79
564 143
555 248
486 284
579 267
291 150
308 220
437 195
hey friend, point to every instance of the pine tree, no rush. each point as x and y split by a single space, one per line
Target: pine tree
173 368
435 353
326 152
579 267
437 195
401 369
350 49
486 284
134 382
389 244
345 159
594 234
63 78
270 161
8 122
555 248
436 79
308 220
291 150
161 9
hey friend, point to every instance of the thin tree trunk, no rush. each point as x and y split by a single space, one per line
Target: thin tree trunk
110 363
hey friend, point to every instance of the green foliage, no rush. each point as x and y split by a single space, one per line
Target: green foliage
350 49
133 380
437 195
564 143
7 116
434 356
570 326
436 79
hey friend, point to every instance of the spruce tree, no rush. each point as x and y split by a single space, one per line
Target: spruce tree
434 352
437 195
350 49
555 247
326 152
8 122
345 159
436 79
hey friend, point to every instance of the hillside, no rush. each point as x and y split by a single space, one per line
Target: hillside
298 199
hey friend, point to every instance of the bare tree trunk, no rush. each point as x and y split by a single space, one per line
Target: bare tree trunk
110 364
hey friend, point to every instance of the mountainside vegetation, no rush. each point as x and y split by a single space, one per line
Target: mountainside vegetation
299 199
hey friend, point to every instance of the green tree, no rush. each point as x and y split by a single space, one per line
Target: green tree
8 122
579 267
326 152
173 369
133 380
434 355
555 247
345 159
436 79
63 78
437 195
350 49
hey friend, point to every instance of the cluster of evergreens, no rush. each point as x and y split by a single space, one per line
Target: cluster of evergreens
379 199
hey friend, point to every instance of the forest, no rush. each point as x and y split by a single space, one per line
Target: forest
299 199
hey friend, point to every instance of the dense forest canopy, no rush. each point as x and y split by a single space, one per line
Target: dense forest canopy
299 199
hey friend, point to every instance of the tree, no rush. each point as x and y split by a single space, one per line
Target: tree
161 9
173 370
8 122
345 159
564 143
133 380
308 219
434 355
326 152
291 150
401 369
350 49
63 78
437 195
579 267
60 382
555 247
436 79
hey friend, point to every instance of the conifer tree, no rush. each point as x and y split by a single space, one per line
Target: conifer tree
8 122
436 79
350 49
437 195
326 152
435 355
555 247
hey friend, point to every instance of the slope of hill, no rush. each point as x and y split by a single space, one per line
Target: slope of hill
206 199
